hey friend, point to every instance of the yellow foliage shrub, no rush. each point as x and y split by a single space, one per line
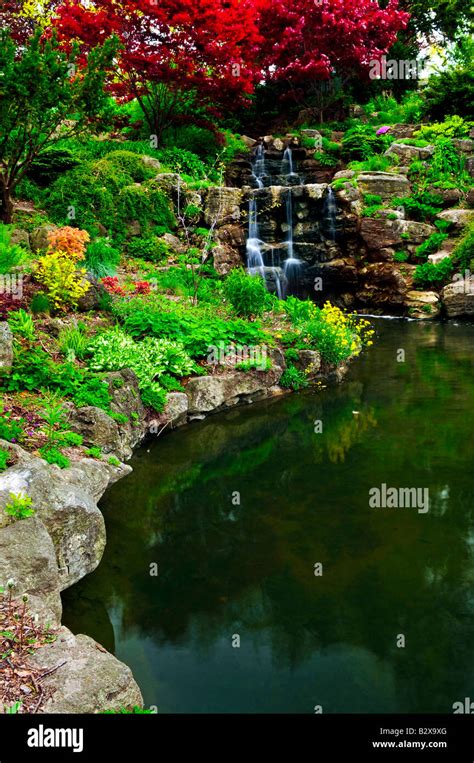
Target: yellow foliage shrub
65 284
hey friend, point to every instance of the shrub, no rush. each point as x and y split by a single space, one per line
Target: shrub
246 293
183 161
149 248
101 258
114 350
64 283
145 204
40 303
52 163
373 164
197 331
131 164
360 142
446 161
20 506
73 342
293 378
400 256
431 244
428 274
54 456
300 311
69 241
420 206
336 335
325 160
21 323
11 255
372 198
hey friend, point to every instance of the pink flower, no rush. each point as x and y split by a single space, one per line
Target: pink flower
382 130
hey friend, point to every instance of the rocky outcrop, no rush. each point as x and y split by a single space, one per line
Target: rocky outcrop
423 305
379 233
309 362
408 154
222 206
458 298
385 184
39 237
208 394
6 349
459 218
28 558
84 677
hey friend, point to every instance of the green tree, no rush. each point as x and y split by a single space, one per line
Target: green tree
44 97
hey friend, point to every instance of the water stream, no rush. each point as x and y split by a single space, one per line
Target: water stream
245 568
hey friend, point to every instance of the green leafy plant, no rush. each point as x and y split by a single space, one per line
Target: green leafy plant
432 244
429 274
421 206
11 255
94 452
293 378
150 248
113 461
20 506
102 259
21 323
4 458
40 303
246 293
400 256
361 142
53 455
73 342
10 429
452 127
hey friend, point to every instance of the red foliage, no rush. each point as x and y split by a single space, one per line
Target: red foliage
111 284
209 47
307 40
142 287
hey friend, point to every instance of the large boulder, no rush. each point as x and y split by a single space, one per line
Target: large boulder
222 206
210 393
459 218
458 298
21 237
97 428
84 677
39 237
379 233
309 362
174 414
6 349
408 154
385 184
27 557
424 305
65 501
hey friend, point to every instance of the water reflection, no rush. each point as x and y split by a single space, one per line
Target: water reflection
247 568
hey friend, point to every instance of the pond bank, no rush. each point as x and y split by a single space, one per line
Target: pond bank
64 541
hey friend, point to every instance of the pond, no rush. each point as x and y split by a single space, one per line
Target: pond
278 588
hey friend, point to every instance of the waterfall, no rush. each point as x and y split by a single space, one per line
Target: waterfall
255 263
292 264
329 213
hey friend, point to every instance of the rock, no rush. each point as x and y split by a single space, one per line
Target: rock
465 145
6 349
470 166
88 679
379 233
409 154
225 258
309 362
344 174
211 393
315 191
174 414
174 243
28 557
470 197
222 206
249 142
39 237
438 257
424 305
458 298
449 196
384 184
151 162
21 237
402 131
126 400
458 217
278 144
308 133
91 299
169 182
98 428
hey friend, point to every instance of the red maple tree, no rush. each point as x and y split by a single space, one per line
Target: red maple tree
202 54
312 41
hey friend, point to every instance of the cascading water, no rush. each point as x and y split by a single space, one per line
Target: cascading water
292 264
329 213
255 263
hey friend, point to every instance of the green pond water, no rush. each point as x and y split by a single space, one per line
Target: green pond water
248 570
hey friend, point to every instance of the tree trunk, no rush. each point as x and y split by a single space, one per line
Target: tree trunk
6 211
